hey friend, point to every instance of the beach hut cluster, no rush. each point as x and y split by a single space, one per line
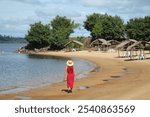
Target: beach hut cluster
130 48
104 45
97 45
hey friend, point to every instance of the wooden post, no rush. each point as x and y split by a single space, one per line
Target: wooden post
131 54
140 52
118 53
144 53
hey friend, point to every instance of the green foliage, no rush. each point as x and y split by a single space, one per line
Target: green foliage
61 30
139 28
91 21
56 34
113 28
104 26
147 28
38 35
97 30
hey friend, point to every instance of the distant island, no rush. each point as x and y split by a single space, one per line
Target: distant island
10 39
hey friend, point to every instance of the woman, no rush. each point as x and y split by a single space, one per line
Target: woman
70 75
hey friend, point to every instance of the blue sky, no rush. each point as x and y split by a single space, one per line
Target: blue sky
17 15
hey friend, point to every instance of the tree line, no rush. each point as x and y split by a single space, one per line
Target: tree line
57 32
9 39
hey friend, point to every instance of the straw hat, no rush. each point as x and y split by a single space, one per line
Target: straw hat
70 63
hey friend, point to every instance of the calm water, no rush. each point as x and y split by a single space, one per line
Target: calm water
21 72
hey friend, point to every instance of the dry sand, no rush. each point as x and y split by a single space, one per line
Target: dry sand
116 79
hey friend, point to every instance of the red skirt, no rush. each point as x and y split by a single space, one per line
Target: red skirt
70 80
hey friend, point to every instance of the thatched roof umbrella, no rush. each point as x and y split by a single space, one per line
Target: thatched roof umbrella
113 43
136 46
124 45
132 40
100 43
74 42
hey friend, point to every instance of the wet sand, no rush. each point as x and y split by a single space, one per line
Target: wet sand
116 79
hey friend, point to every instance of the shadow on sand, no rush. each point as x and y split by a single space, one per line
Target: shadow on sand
65 90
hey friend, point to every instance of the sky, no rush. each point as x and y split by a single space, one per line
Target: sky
17 15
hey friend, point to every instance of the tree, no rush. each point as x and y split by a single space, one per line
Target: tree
134 28
139 28
97 30
105 26
91 21
38 35
61 30
147 28
113 27
55 34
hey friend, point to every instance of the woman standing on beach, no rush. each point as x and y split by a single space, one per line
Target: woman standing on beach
70 75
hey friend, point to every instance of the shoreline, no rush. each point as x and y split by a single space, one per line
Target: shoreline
117 79
80 75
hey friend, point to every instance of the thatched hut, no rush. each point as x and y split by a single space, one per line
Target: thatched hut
137 46
113 43
101 44
124 45
73 45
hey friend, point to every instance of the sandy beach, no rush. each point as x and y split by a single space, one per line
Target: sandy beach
113 79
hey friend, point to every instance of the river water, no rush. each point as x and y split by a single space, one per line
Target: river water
22 72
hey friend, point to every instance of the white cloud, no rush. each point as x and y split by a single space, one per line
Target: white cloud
104 3
52 12
115 3
15 26
17 15
31 2
123 8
